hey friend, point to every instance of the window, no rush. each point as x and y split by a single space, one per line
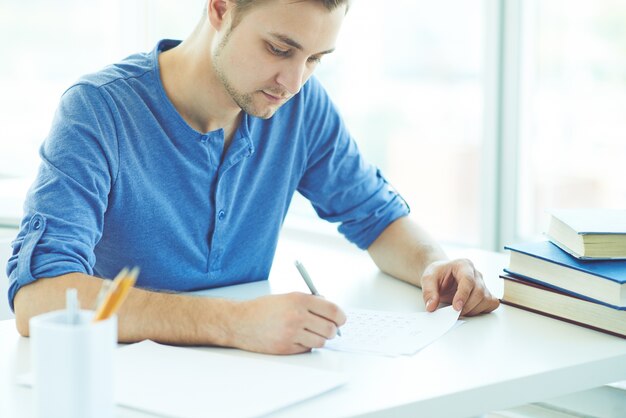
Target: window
573 121
408 80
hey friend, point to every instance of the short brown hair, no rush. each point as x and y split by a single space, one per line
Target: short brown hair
245 5
329 4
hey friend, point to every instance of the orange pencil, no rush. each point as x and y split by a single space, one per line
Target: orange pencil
116 294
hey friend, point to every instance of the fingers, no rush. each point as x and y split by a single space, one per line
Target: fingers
321 326
310 339
487 304
480 300
430 288
466 279
472 293
458 283
320 323
327 310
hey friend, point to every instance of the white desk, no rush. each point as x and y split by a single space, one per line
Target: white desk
507 358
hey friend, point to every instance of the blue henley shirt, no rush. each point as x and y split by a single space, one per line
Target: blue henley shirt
124 180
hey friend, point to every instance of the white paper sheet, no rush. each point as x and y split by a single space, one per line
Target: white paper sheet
392 333
188 383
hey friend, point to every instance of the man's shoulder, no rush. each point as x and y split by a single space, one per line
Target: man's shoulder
117 82
133 67
93 95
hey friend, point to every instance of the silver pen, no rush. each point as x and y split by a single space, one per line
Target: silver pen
309 283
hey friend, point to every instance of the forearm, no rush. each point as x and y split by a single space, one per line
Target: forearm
163 317
404 250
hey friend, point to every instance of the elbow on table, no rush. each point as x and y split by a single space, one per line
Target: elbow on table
22 304
33 299
48 294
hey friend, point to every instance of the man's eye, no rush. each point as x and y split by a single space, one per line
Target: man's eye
277 51
315 60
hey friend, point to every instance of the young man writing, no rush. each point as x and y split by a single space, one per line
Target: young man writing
184 160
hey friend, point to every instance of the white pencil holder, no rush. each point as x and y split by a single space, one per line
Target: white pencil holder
73 365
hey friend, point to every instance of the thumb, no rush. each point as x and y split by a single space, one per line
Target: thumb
430 293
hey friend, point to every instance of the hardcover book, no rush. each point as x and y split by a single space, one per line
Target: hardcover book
549 302
548 265
589 233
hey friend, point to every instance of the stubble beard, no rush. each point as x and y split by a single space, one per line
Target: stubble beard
244 100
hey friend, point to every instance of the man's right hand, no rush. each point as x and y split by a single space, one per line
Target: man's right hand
285 324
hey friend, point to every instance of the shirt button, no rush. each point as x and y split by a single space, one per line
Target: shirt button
221 215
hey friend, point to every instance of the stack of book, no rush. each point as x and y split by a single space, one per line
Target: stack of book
579 276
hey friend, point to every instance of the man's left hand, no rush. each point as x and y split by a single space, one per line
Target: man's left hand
457 282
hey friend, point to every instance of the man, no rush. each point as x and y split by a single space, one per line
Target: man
183 161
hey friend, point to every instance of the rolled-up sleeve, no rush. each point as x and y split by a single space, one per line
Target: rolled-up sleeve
340 184
65 206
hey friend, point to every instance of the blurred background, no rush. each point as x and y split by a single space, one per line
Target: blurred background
484 114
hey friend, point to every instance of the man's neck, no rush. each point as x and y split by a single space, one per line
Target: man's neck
193 87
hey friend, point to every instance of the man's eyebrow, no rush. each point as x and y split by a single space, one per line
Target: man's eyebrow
292 43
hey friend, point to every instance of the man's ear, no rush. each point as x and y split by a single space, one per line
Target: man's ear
218 12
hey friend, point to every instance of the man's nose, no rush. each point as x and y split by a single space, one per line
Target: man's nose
292 76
